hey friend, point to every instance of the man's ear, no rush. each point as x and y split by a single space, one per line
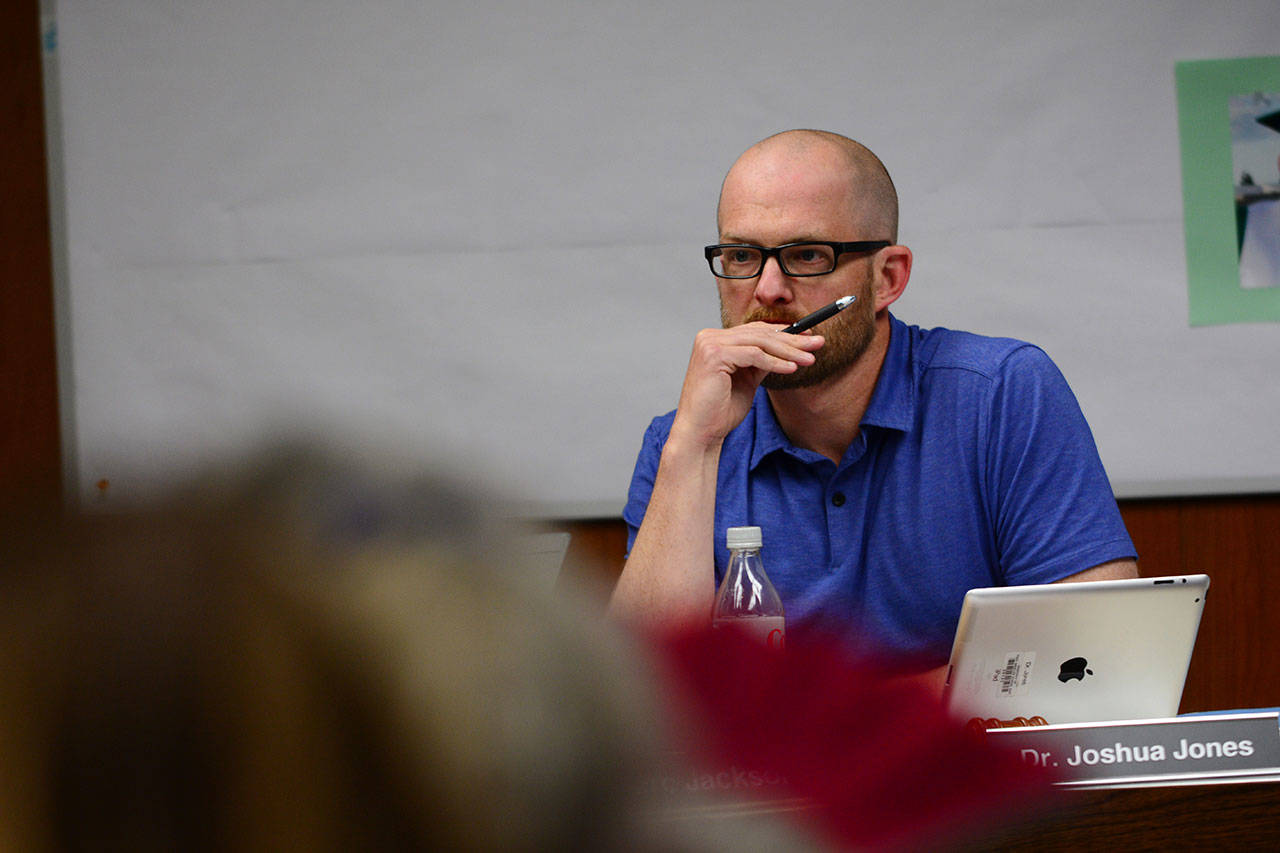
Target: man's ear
892 270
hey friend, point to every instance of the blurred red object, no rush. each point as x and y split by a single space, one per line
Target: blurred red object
875 755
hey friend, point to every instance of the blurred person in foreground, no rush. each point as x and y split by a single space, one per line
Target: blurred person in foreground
322 655
314 655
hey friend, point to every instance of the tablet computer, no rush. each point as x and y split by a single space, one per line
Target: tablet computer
1075 652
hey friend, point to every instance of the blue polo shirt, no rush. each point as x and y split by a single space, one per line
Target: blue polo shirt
974 466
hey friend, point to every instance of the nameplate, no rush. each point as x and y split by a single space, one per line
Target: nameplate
1173 750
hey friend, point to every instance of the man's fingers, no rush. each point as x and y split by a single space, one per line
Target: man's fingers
781 362
758 345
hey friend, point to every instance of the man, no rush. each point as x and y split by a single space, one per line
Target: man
891 468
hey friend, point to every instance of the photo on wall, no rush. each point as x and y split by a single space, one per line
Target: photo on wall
1255 157
1229 129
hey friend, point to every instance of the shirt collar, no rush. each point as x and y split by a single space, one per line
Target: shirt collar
892 403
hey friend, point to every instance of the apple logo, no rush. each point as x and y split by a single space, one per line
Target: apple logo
1076 668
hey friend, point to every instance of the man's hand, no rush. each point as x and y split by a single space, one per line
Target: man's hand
726 368
669 578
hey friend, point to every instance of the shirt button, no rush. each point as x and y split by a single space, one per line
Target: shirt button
837 499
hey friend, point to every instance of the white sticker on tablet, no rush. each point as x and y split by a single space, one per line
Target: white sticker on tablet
1011 676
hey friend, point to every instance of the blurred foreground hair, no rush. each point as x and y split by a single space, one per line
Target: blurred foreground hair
310 654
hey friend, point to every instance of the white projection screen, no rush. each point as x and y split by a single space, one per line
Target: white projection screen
473 230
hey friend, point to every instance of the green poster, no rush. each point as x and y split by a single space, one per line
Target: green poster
1229 124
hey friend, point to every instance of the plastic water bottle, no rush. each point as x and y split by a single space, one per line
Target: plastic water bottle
746 600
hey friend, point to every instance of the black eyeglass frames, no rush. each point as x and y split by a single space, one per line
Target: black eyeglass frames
816 257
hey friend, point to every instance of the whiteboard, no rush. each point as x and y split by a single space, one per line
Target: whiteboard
474 230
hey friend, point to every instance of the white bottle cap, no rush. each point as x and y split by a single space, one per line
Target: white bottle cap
742 537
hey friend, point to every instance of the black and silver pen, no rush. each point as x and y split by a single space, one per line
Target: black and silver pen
825 313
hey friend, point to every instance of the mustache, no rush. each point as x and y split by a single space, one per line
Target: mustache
766 315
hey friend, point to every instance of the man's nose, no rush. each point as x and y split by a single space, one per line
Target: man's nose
774 286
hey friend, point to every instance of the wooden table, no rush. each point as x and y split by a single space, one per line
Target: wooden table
1237 816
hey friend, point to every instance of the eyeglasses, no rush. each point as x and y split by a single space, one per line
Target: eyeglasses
743 260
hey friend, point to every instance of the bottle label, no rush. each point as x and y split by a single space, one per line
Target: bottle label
770 631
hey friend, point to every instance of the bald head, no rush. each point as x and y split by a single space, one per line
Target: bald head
847 168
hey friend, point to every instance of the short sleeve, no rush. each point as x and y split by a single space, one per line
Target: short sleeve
1055 512
642 478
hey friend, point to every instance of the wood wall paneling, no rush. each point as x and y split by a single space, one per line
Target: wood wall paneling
1234 540
30 455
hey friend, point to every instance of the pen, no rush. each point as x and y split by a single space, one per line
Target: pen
826 313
